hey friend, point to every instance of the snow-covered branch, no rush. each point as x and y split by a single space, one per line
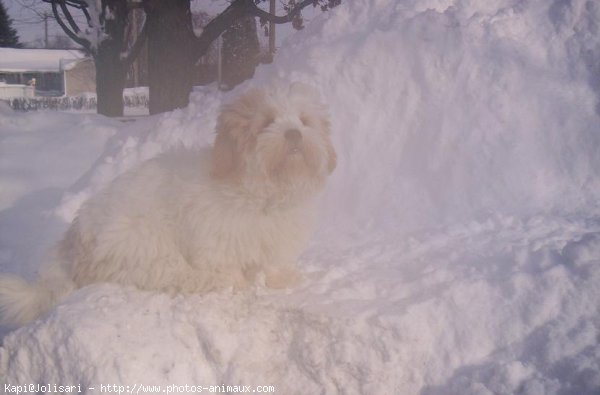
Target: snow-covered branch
235 11
267 16
137 46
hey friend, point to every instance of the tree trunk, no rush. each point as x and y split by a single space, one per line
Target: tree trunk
170 56
110 80
110 69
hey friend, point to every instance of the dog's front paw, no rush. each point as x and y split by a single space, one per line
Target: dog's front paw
282 278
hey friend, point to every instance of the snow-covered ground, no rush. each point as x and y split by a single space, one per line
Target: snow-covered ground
459 245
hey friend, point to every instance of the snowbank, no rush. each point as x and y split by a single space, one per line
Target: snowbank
447 109
459 248
41 154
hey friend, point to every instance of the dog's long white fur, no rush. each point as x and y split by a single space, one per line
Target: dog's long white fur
196 221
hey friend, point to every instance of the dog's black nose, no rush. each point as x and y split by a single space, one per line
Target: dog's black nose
293 136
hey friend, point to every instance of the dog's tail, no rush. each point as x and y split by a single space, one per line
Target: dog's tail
22 302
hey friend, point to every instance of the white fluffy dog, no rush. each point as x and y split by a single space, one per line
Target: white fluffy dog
196 221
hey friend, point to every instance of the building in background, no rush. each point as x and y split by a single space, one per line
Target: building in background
45 72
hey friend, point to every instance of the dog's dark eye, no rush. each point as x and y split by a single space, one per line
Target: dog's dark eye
267 121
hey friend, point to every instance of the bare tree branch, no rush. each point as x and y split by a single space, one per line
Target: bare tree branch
87 16
236 10
73 36
67 15
218 25
32 6
254 10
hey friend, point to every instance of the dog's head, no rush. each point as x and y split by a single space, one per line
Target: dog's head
274 140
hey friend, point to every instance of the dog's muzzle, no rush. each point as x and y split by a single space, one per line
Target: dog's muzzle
293 139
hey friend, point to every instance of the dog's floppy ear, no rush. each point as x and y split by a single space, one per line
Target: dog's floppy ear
331 157
326 129
233 132
224 150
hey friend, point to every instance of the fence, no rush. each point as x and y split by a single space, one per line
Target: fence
74 103
15 90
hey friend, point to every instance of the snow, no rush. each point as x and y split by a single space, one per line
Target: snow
459 244
41 154
38 60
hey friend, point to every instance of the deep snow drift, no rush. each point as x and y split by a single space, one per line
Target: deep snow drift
459 246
